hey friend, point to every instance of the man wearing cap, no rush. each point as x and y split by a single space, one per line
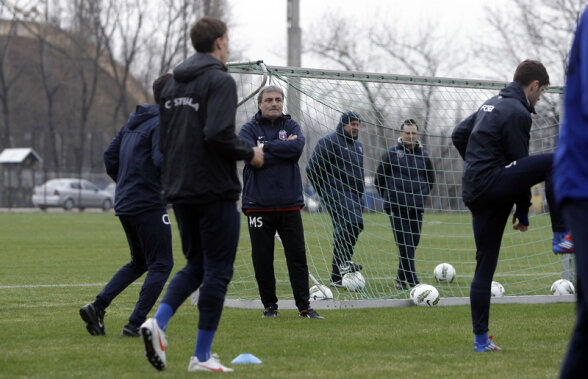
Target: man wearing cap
336 172
404 179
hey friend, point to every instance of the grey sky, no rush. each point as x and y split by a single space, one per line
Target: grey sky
260 29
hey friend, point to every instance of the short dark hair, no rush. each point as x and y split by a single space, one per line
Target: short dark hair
205 31
528 71
158 85
409 121
269 89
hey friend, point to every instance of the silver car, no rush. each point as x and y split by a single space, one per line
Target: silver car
71 193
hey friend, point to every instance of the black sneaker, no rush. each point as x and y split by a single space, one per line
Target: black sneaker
348 267
130 331
271 311
400 285
310 313
94 319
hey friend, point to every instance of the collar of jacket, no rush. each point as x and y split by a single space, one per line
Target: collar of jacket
266 121
419 145
515 90
348 137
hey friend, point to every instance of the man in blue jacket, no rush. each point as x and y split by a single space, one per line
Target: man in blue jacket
571 188
335 171
272 199
499 173
133 161
404 179
200 153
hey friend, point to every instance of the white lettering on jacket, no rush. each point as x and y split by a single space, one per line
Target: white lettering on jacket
181 101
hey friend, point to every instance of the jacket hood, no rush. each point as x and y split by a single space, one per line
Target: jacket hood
515 90
196 65
418 143
142 113
342 132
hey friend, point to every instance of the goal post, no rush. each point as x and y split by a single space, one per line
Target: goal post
526 265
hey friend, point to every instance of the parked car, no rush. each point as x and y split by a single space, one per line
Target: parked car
71 193
111 189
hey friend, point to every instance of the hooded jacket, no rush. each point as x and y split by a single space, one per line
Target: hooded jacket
571 156
277 184
492 138
336 172
197 133
404 177
133 161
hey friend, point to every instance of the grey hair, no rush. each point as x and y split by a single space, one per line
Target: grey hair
271 88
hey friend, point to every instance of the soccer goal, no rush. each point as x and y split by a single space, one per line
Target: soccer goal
316 99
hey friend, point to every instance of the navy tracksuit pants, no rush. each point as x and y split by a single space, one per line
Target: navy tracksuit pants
209 234
575 213
345 236
489 216
406 225
149 238
262 230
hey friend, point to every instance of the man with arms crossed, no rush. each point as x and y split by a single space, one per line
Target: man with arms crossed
272 199
200 149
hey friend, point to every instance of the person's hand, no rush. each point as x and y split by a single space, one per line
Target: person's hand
523 221
291 137
257 160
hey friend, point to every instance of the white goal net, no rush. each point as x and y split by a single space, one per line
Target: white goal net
316 99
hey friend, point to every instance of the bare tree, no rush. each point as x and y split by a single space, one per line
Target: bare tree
8 77
333 43
539 29
52 81
169 41
122 23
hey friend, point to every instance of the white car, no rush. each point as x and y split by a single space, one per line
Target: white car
71 193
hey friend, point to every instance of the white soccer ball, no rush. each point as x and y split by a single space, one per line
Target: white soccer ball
414 289
496 289
425 295
444 273
562 287
320 292
353 281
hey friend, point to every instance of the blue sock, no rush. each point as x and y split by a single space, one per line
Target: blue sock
481 339
163 314
204 344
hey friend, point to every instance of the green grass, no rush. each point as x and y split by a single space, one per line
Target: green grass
43 336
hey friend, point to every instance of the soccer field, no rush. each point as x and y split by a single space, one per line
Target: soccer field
54 263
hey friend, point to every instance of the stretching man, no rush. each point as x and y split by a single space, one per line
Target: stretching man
200 153
499 173
133 161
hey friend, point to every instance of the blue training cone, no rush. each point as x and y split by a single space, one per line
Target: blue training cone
246 359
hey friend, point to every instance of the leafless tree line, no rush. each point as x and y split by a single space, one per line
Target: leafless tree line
539 29
71 71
